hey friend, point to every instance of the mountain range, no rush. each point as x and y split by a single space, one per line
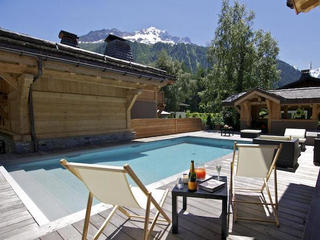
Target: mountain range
150 35
146 44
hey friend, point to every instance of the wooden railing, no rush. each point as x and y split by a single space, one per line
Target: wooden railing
149 127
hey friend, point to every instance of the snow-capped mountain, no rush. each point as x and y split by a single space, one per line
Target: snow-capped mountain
315 72
148 35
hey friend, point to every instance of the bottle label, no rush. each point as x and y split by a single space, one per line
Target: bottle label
192 186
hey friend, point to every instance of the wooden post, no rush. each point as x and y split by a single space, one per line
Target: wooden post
269 106
131 99
247 111
315 112
19 110
285 111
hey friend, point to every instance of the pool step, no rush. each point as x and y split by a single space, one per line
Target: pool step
43 198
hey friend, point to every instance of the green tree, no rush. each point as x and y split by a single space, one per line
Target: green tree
240 57
181 90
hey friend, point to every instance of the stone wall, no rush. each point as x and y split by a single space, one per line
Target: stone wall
77 141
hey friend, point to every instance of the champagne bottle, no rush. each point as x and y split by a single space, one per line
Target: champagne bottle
192 183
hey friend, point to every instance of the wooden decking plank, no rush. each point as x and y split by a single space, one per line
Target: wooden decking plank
12 212
16 226
70 233
92 230
112 231
8 220
52 236
10 235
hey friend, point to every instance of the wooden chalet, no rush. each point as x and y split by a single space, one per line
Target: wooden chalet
56 95
280 106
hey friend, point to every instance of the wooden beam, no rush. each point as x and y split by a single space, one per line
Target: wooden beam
93 80
9 79
131 98
17 68
82 70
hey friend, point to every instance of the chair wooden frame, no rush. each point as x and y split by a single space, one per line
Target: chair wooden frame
150 200
233 201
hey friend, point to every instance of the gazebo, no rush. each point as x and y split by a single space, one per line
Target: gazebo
275 110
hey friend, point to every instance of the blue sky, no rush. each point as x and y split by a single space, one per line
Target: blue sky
298 36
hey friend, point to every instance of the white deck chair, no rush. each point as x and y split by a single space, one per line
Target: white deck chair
255 161
109 185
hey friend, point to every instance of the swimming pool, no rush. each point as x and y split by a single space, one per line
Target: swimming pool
58 193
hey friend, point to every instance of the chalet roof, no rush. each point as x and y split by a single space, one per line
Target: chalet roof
302 5
27 45
305 79
291 95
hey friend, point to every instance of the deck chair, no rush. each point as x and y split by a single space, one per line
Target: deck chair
109 184
255 161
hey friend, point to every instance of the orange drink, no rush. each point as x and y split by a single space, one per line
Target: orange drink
201 173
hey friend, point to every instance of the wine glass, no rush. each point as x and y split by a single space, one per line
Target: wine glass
218 167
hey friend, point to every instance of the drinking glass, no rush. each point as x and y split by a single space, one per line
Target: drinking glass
179 183
218 167
200 170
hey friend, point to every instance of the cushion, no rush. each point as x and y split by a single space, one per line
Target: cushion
250 131
273 137
295 132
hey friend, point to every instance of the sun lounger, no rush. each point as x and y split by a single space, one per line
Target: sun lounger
297 133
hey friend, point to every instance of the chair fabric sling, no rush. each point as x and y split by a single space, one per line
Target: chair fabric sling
254 161
109 184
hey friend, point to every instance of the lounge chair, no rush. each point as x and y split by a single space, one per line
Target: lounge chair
109 184
288 158
297 133
254 161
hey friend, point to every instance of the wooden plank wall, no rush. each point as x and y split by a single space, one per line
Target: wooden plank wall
63 108
157 127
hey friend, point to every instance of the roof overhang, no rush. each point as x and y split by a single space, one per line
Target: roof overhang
302 5
258 92
46 50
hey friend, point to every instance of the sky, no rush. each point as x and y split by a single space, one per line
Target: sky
298 36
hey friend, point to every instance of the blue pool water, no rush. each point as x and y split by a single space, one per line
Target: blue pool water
58 193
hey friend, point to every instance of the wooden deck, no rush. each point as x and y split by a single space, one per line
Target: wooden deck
14 216
201 221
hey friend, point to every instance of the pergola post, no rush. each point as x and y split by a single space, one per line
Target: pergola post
269 106
315 111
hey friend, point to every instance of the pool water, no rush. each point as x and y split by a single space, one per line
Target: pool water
58 193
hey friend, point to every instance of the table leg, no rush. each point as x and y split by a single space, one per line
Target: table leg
224 224
184 203
174 214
